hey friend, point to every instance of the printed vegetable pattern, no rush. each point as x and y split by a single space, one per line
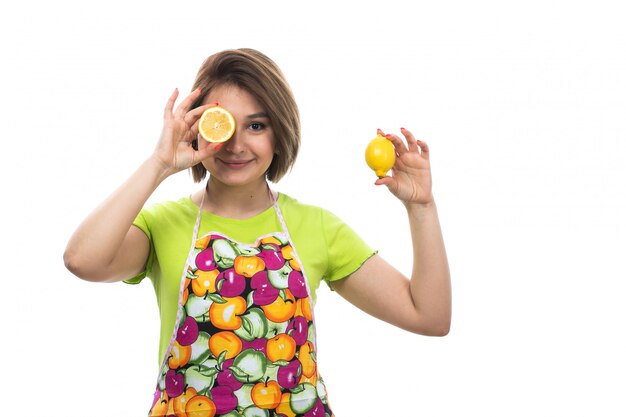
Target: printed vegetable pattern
245 342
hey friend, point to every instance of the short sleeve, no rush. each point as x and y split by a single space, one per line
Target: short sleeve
347 251
142 222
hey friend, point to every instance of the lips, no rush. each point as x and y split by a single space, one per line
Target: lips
235 163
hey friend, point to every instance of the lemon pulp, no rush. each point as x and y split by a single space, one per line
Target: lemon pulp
216 124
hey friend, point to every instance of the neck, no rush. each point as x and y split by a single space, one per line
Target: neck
236 202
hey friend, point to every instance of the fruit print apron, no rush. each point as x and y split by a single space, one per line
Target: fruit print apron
244 340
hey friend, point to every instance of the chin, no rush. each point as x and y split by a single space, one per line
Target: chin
237 180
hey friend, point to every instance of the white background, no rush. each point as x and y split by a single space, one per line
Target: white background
523 106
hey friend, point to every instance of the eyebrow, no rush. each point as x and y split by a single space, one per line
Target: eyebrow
258 115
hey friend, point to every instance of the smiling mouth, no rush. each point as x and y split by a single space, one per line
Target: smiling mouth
234 164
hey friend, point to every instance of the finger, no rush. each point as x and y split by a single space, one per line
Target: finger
206 149
388 182
169 106
383 181
410 140
203 143
424 149
398 144
184 106
194 129
199 143
193 115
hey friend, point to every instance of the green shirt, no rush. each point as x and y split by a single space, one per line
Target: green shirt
328 248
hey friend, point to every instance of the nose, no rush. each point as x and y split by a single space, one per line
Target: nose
235 143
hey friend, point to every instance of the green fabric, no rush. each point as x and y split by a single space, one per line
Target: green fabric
328 248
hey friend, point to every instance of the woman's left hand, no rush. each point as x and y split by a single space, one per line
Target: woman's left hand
422 304
410 178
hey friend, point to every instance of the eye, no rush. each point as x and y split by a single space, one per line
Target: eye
257 126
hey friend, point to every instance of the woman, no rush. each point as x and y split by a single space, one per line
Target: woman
235 266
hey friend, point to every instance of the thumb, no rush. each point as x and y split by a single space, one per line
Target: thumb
207 149
383 181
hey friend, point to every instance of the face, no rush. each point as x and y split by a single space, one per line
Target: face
244 159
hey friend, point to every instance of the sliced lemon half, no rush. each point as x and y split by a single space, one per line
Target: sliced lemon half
216 124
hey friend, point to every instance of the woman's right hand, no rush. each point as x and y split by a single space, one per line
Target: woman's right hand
106 246
180 127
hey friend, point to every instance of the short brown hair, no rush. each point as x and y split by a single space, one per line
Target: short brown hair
257 74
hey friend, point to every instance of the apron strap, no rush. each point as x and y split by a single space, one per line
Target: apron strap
280 216
181 290
295 251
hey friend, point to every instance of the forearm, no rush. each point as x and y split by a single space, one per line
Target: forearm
96 242
430 280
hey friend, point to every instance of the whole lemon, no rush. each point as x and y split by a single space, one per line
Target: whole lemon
380 155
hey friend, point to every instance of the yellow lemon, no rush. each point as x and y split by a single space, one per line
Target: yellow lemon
380 155
216 124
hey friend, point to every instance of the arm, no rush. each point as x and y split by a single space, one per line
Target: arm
106 247
421 304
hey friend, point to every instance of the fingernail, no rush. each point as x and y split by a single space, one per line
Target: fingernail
402 128
218 146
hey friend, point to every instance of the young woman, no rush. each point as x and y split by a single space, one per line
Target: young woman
235 266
